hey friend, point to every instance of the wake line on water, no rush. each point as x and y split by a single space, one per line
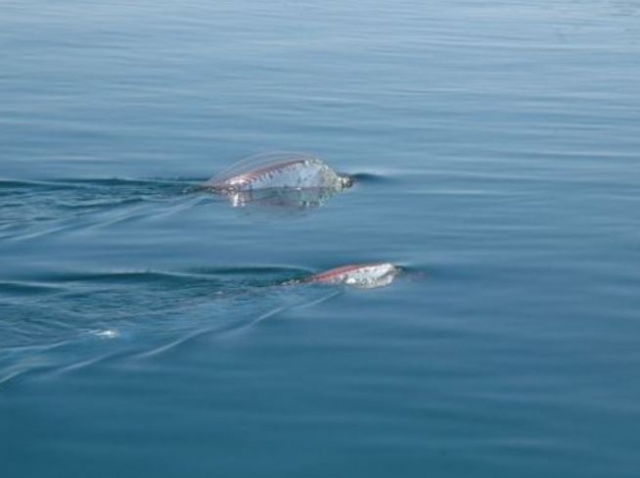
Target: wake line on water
30 209
33 208
130 345
89 326
80 317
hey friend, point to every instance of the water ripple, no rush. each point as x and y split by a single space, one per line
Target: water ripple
66 320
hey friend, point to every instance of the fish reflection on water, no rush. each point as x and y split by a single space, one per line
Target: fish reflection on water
279 180
280 199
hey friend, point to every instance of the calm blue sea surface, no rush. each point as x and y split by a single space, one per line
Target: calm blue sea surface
144 327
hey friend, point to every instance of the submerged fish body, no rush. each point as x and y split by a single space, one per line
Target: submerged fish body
285 170
362 276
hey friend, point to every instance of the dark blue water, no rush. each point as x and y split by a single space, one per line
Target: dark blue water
144 328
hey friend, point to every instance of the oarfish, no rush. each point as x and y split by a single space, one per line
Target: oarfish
295 171
362 276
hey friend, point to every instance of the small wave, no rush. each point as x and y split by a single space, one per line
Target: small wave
32 209
84 318
27 288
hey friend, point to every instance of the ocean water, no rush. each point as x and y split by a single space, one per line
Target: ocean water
144 326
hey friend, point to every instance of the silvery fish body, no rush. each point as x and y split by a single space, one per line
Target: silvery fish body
362 276
278 170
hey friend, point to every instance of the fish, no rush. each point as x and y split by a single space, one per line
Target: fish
361 276
278 170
